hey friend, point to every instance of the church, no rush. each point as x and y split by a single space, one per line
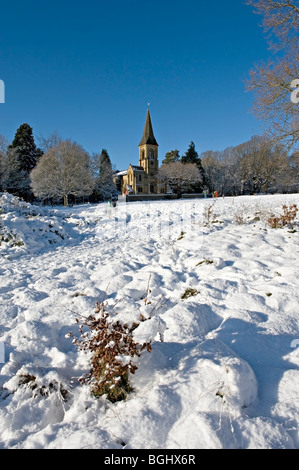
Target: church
142 179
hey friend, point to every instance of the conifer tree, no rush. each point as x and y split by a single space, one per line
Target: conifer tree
22 158
104 187
3 162
171 156
191 156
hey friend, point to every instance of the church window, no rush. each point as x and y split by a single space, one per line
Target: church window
151 154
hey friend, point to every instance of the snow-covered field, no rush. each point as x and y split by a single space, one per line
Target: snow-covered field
225 289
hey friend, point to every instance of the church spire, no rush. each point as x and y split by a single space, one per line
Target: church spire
148 133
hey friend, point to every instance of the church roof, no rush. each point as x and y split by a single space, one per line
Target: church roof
148 133
137 168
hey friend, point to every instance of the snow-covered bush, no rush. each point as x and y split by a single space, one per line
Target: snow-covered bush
28 228
37 383
9 236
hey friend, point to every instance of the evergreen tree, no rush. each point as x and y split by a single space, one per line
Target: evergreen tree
3 162
104 186
191 156
171 156
22 158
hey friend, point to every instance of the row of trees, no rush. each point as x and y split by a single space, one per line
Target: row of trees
56 170
259 165
271 162
63 170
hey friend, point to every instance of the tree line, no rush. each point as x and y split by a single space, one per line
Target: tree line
257 166
270 163
58 170
61 170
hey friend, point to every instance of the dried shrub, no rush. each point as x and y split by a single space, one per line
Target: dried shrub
181 236
240 215
209 216
112 349
285 219
190 292
205 261
41 387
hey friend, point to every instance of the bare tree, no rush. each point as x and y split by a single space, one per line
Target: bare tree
179 175
261 164
253 166
221 170
293 183
46 143
280 17
272 83
63 171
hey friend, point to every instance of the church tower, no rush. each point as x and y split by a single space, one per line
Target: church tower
143 180
148 153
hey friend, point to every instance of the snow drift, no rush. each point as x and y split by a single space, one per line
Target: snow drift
223 321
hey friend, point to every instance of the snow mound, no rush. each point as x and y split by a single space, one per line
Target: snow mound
25 228
218 301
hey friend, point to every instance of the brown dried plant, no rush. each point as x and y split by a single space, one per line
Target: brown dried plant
209 217
285 219
112 349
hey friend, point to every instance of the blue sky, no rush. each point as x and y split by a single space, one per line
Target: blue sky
87 69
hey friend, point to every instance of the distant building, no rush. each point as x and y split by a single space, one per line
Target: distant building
142 179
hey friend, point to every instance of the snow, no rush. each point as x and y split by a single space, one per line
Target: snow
218 291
